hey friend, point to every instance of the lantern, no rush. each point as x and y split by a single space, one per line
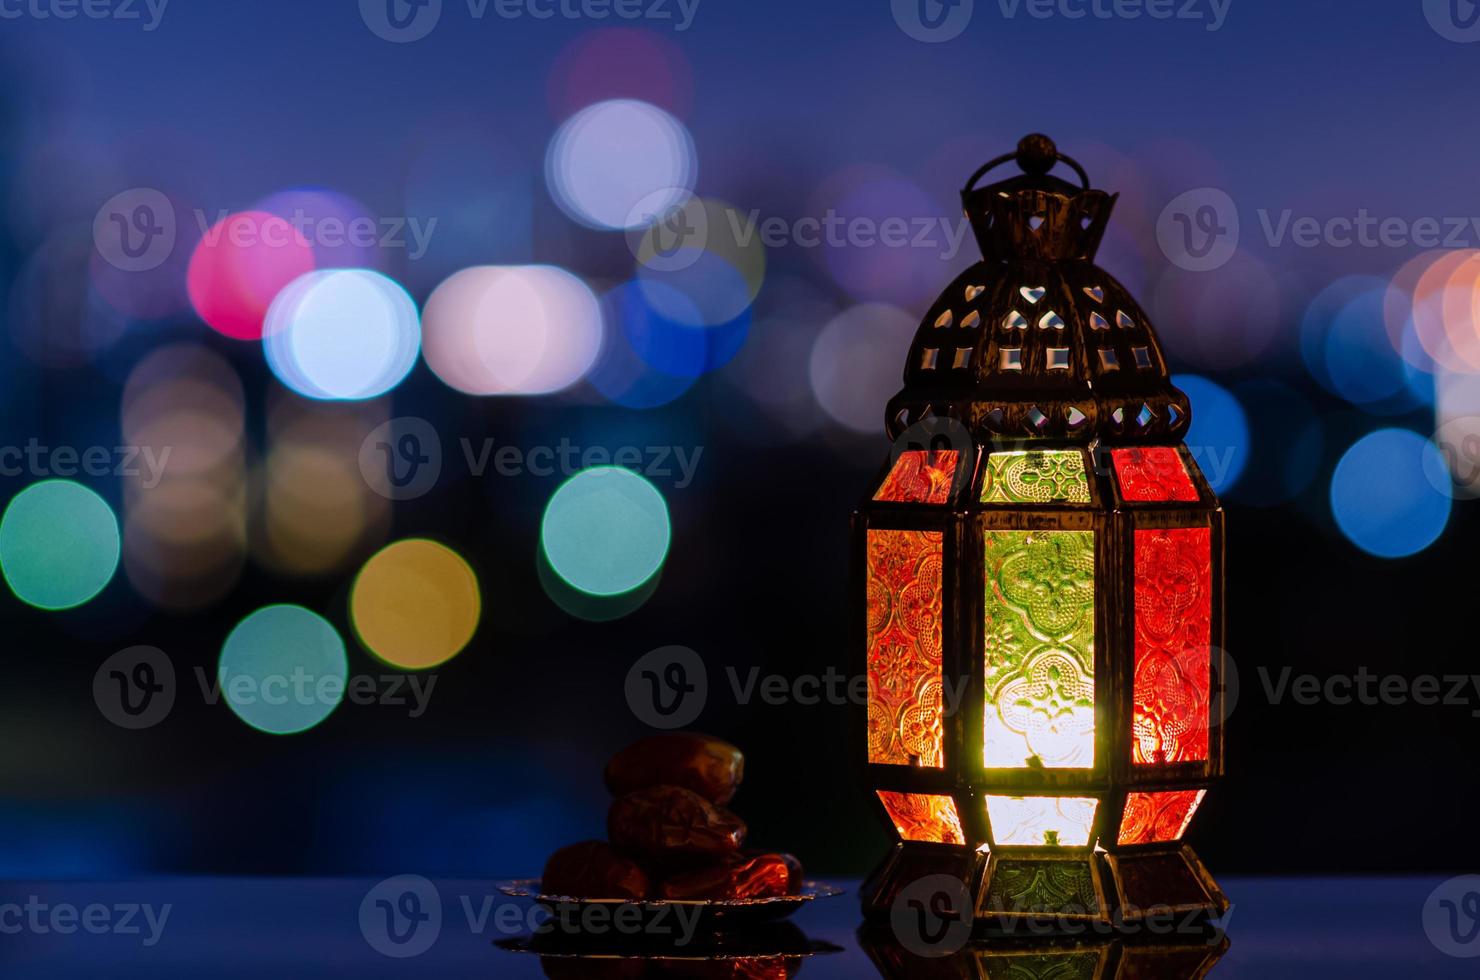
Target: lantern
1040 575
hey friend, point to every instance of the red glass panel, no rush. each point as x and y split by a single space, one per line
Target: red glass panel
1155 818
905 704
1174 581
921 817
920 477
1152 474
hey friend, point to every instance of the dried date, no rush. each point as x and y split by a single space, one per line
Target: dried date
764 876
670 822
594 869
707 766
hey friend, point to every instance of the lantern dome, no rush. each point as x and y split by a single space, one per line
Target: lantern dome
1036 342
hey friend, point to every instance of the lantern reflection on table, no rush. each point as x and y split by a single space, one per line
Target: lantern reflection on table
1039 570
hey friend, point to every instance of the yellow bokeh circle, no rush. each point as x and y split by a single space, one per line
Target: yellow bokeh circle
415 604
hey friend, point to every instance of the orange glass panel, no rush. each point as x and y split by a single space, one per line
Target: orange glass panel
920 817
1153 474
1174 582
1156 818
905 703
920 477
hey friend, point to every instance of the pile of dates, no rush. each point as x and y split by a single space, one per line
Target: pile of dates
669 834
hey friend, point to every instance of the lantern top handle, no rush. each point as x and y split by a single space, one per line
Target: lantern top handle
1036 155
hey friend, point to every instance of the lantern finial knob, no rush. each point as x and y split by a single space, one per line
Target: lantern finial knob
1036 154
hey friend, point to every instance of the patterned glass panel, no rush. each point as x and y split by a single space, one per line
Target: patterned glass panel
1174 583
1041 821
1153 474
1156 818
1040 649
1042 886
1036 478
905 705
921 817
920 477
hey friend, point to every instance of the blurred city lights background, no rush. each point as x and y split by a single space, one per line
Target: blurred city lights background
632 281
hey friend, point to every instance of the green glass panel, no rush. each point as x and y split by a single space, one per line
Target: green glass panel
1046 887
1038 477
1040 649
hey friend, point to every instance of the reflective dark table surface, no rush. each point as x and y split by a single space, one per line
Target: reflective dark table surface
281 928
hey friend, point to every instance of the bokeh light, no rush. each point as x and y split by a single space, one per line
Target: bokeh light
54 316
317 512
855 363
877 249
1397 307
59 544
1219 435
584 605
239 265
621 63
185 522
675 346
1457 434
342 231
1382 498
610 158
1443 310
1360 362
621 375
1320 317
342 334
283 669
606 531
415 604
511 330
702 264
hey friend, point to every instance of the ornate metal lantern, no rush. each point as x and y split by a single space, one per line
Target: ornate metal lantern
1040 575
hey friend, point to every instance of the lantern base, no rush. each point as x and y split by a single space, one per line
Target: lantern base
1044 891
910 863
